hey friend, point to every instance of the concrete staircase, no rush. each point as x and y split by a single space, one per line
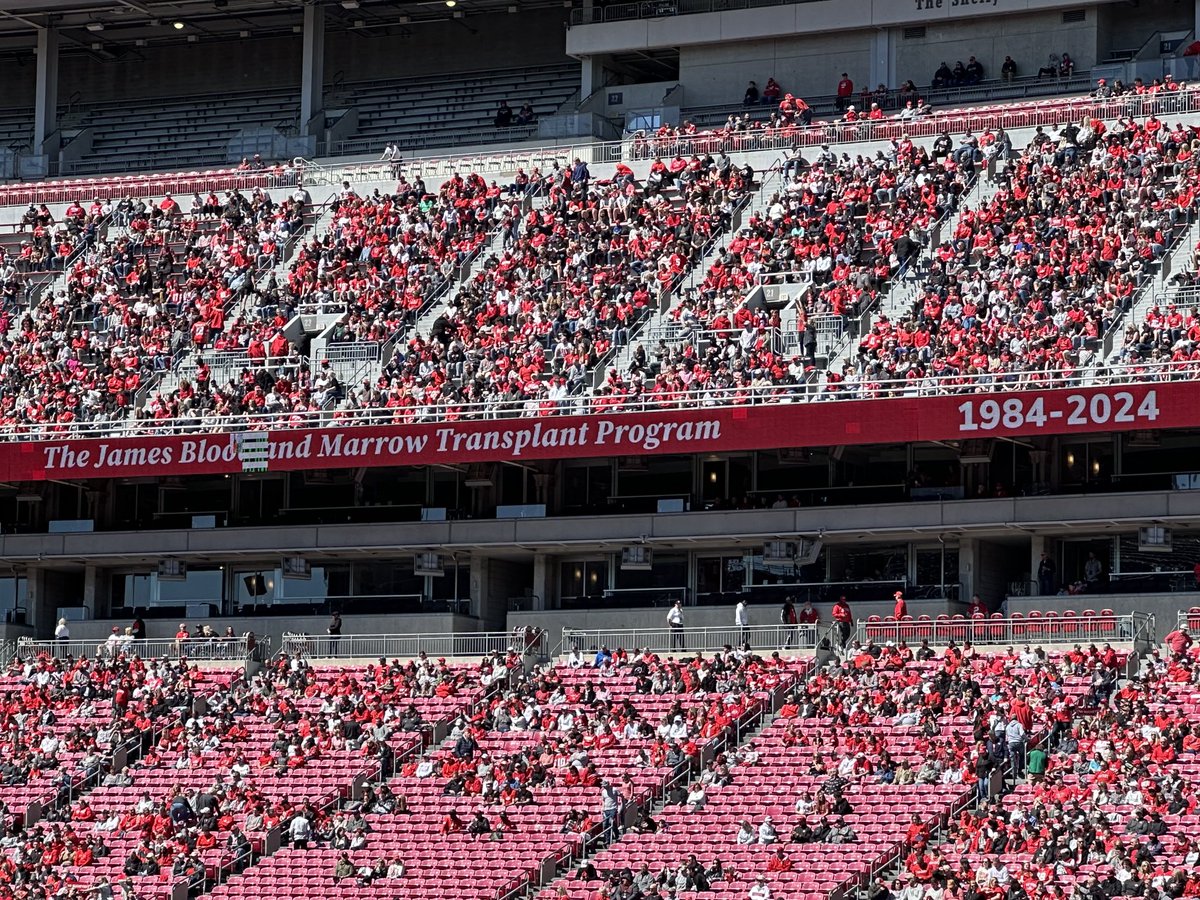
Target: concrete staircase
902 293
660 324
1156 290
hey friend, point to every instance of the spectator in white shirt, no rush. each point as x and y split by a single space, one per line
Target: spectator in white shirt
761 890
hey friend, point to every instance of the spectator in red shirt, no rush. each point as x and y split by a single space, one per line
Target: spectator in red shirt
1179 641
845 90
843 619
901 609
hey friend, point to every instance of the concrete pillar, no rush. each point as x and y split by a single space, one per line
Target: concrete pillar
968 566
591 76
1037 543
41 608
90 578
312 71
480 599
881 54
45 113
542 581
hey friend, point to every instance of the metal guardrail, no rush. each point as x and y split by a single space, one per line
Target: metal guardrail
195 648
692 640
1014 115
1052 628
391 646
575 405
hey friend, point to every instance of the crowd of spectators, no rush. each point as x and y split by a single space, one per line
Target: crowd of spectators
574 276
842 227
1031 283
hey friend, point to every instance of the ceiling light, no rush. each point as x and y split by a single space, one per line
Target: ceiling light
96 45
140 42
192 38
243 34
154 23
459 14
349 4
297 29
360 23
95 26
404 19
452 3
178 26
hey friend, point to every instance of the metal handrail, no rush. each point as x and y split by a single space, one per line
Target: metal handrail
446 644
1014 629
195 648
691 640
575 405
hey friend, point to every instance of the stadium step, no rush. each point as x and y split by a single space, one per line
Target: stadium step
1160 288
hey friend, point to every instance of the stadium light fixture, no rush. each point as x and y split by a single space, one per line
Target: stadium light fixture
95 26
349 4
178 26
452 3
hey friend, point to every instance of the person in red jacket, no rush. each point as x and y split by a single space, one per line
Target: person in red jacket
843 619
901 609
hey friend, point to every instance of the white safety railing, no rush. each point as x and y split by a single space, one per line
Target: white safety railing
195 648
392 646
1050 628
691 640
690 398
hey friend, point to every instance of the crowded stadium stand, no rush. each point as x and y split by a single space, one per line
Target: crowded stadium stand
621 451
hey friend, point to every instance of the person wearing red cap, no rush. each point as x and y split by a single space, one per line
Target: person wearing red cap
901 609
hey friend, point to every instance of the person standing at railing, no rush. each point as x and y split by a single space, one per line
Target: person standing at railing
809 619
675 624
843 620
788 619
334 630
845 90
62 631
901 608
741 619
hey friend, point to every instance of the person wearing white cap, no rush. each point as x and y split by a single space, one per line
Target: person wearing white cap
760 889
766 831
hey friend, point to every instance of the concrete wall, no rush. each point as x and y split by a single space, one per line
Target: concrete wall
802 64
1028 39
818 17
1125 26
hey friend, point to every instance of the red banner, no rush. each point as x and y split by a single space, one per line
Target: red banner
762 426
